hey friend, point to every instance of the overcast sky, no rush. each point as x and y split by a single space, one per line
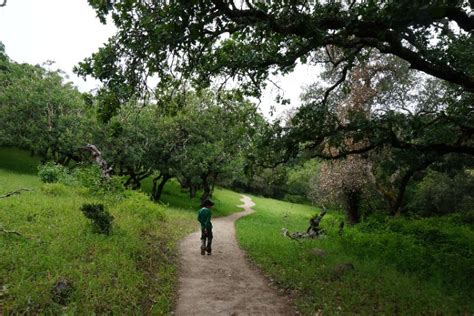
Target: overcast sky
67 31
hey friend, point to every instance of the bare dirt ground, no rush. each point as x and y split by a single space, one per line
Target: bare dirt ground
224 283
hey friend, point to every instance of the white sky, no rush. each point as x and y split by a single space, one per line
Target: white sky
67 31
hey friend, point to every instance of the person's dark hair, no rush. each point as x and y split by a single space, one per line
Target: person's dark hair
207 203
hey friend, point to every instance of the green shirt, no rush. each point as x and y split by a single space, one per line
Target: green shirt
204 217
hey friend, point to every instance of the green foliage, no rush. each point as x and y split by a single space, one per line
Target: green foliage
132 271
435 248
299 178
51 172
101 218
54 189
226 201
41 112
87 176
440 194
257 32
18 161
401 265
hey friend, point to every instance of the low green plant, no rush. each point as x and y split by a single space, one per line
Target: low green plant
51 172
54 189
100 217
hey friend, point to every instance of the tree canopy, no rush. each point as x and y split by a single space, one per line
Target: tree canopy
247 40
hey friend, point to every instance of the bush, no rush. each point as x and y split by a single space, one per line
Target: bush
440 194
101 218
91 178
88 176
51 172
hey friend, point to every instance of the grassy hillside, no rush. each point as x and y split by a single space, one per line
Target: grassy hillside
401 266
131 271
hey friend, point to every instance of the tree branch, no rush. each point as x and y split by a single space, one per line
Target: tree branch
3 230
14 192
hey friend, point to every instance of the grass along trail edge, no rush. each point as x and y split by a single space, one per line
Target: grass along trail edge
224 283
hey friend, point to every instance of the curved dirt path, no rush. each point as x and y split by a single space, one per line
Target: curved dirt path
224 283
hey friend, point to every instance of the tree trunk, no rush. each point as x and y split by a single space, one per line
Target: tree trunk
154 188
158 190
395 208
207 189
352 207
214 180
192 191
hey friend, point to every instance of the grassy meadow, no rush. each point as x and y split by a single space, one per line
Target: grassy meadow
132 271
400 266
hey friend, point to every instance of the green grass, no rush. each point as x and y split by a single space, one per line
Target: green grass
17 161
226 201
382 282
132 271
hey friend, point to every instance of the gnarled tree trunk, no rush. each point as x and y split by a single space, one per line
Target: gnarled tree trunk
352 207
105 170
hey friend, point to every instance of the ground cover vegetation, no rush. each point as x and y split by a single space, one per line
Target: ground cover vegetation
55 260
384 133
382 266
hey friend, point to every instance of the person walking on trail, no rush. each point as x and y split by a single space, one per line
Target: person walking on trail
204 217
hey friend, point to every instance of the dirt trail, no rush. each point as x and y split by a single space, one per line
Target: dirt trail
224 283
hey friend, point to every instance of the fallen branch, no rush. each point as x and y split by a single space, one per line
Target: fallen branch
14 232
3 230
313 230
13 193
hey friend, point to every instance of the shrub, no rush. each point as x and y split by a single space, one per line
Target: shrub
90 177
440 194
50 172
101 218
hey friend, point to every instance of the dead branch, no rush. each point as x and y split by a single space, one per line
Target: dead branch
97 156
313 230
13 193
3 230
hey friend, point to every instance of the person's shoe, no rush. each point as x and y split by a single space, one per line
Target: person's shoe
203 251
209 250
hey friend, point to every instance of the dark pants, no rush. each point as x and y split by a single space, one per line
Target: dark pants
206 239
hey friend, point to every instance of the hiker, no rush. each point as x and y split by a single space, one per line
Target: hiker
204 217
